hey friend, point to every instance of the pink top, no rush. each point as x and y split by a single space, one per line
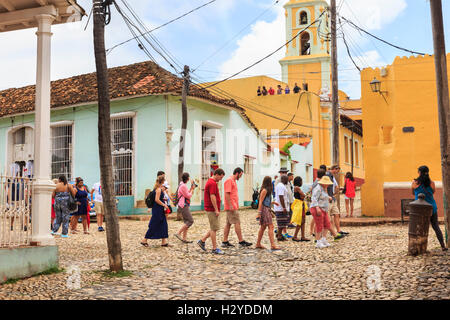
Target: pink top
231 187
183 193
350 188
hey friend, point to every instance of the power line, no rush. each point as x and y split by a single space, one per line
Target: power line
141 44
379 39
155 39
235 36
270 54
371 40
225 95
163 25
348 50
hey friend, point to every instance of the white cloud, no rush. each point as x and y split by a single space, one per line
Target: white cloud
264 37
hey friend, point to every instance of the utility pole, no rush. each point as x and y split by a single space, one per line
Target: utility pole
440 60
104 138
335 93
184 115
334 85
184 93
353 128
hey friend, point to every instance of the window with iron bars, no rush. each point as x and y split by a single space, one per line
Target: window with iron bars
122 155
61 151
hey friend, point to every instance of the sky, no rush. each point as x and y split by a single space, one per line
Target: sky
223 38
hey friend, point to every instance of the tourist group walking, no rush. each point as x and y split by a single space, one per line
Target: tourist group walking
281 200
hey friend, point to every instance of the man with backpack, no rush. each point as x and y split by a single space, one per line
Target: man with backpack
333 192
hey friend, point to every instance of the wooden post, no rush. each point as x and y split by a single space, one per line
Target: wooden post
104 142
334 84
443 102
353 128
184 115
335 94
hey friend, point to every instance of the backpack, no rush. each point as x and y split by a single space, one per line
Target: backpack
176 198
150 199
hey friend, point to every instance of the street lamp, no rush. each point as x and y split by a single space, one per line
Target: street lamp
375 85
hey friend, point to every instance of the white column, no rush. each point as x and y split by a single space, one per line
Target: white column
43 186
168 158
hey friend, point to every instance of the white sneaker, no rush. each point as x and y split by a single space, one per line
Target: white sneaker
325 242
320 245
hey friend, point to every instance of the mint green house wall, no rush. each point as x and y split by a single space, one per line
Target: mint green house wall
152 116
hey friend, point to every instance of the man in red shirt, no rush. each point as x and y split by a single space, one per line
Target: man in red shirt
271 91
212 208
232 207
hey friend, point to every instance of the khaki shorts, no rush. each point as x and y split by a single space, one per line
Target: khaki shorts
214 222
233 217
333 209
98 206
187 216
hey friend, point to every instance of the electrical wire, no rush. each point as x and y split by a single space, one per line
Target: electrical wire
379 39
348 50
141 44
371 40
270 54
163 25
225 95
235 36
153 38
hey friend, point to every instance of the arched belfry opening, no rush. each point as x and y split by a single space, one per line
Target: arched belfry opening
303 17
305 46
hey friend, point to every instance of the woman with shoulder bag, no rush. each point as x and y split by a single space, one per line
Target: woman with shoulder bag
158 227
61 195
299 208
265 214
349 192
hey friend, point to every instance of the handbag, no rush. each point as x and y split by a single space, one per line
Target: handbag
345 188
73 206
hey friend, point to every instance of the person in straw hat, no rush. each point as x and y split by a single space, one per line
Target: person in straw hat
319 208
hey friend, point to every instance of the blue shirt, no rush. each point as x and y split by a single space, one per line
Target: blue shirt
428 192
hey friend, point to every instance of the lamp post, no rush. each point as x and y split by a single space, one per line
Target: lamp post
168 164
375 85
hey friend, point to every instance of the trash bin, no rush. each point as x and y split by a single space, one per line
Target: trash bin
419 223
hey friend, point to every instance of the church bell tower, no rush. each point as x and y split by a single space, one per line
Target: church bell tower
307 61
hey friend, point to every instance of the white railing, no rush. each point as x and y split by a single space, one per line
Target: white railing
15 211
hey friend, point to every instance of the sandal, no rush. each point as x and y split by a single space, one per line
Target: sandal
86 232
305 240
261 247
145 244
275 249
166 245
296 240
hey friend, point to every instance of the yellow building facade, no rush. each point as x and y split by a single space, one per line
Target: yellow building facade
401 133
306 115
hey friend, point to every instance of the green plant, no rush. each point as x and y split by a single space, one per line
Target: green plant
120 274
52 270
11 281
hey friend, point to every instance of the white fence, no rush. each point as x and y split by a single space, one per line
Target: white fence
15 211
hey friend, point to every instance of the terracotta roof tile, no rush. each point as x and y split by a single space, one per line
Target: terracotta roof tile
145 78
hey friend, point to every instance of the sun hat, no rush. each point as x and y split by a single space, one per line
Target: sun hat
166 185
325 180
283 169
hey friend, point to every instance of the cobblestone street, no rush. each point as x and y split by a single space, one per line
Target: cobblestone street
371 263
